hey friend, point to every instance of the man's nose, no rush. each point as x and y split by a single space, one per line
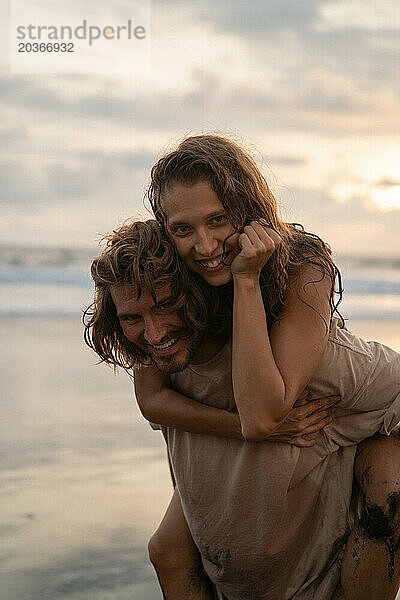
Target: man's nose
205 244
155 330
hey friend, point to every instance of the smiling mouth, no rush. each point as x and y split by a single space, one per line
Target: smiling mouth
215 264
164 347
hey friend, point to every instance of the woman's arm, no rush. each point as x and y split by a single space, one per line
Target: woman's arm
161 404
270 370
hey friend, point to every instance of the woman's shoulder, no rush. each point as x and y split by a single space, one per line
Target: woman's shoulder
342 337
308 253
307 271
306 241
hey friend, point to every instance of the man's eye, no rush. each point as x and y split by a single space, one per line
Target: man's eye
129 319
181 229
164 305
219 218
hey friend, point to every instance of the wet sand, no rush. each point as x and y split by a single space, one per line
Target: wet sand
84 478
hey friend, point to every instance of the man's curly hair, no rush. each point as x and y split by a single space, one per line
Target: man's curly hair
139 253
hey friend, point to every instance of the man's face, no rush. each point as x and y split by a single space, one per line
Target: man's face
162 335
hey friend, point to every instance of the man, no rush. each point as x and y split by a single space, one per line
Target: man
268 519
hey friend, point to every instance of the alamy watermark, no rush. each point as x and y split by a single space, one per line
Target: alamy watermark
50 38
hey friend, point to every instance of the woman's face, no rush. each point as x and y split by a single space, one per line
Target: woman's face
198 225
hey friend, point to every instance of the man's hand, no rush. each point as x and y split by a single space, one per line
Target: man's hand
306 417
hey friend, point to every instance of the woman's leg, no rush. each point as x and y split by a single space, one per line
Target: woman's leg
371 561
176 559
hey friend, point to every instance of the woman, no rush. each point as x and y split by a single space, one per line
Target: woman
216 207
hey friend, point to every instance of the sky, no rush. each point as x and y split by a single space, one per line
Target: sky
309 87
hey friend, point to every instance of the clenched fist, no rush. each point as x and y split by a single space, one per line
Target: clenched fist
257 244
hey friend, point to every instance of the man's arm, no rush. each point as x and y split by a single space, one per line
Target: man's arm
160 404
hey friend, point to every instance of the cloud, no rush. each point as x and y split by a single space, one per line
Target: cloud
158 110
256 17
354 227
17 186
292 69
286 160
322 102
306 92
308 36
286 63
387 183
102 171
11 135
79 176
27 92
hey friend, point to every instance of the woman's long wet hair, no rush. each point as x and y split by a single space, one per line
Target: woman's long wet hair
245 195
139 254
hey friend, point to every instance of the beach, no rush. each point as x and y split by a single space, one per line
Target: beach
84 479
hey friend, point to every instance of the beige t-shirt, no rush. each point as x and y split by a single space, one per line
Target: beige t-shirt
269 518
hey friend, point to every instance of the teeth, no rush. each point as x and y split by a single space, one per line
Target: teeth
212 263
165 346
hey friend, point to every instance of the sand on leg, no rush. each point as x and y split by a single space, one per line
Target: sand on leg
176 558
371 561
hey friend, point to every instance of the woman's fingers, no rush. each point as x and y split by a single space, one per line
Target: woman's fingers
315 422
297 440
305 419
302 422
257 244
320 403
245 242
317 417
317 426
312 406
254 237
301 443
262 236
302 399
266 234
256 241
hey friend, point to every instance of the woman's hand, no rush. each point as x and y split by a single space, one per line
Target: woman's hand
257 244
304 418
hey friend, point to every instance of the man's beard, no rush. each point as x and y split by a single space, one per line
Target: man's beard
173 363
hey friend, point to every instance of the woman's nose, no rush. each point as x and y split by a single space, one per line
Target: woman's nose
206 244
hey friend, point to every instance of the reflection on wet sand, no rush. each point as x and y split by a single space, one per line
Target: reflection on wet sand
84 478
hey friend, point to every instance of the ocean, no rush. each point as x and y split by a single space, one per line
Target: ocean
56 282
84 479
